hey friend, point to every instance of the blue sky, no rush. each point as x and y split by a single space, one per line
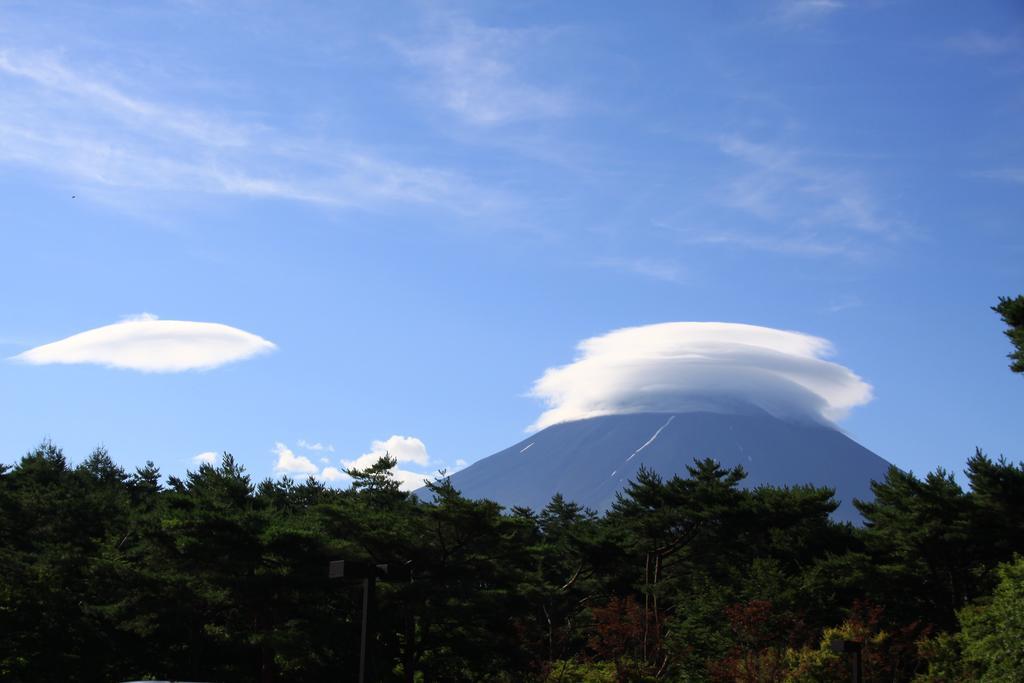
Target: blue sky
423 207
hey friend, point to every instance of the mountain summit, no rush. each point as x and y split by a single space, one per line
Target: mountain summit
588 461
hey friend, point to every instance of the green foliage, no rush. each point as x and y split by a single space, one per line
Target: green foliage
1011 310
988 646
944 660
582 671
993 633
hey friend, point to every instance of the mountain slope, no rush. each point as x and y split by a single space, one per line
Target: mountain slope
588 461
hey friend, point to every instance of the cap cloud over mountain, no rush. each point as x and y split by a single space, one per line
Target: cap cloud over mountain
700 366
660 396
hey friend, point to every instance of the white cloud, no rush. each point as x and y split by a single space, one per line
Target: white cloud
409 480
405 449
685 366
333 474
291 464
147 344
317 446
472 69
208 458
76 123
48 73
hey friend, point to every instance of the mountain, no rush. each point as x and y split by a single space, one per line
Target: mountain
588 461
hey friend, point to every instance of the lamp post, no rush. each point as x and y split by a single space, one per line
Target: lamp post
368 573
854 648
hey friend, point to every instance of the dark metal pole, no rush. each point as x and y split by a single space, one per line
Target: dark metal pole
368 574
366 671
858 673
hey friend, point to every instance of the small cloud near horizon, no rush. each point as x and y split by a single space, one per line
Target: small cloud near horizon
406 450
207 458
290 464
409 451
333 474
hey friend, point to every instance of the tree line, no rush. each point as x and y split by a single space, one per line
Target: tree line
106 575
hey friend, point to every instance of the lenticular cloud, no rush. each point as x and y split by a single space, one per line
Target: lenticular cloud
147 344
685 367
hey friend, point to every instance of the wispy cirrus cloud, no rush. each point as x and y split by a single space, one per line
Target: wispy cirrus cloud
1006 175
148 344
980 43
794 205
796 245
802 11
52 76
89 126
779 174
474 69
648 268
844 304
316 446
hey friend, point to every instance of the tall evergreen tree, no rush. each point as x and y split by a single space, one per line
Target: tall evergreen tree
1012 312
919 535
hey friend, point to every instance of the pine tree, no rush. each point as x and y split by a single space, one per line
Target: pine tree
919 535
1012 313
